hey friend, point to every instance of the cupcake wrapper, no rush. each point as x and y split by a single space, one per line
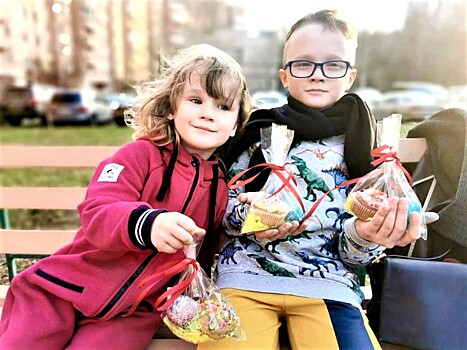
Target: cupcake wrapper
361 211
270 219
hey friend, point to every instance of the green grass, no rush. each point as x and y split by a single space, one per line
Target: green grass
69 136
406 127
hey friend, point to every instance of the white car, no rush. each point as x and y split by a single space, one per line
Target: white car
370 95
79 106
268 99
413 105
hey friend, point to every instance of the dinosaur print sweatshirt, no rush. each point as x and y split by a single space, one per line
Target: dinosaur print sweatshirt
322 261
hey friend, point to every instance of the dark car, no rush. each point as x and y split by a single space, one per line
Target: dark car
119 104
25 102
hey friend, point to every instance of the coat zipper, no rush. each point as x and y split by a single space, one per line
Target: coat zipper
140 269
126 285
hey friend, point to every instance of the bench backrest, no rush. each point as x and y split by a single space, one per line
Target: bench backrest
46 241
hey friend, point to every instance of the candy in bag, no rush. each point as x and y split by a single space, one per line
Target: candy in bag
201 312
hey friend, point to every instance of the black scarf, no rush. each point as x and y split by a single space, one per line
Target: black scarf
350 115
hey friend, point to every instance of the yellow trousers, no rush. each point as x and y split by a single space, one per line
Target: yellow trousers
311 323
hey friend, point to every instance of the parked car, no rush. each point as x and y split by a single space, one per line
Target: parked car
119 103
79 107
436 91
413 105
370 95
268 99
25 102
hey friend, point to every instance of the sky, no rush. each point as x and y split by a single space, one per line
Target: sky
366 15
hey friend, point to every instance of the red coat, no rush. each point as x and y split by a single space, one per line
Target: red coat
100 271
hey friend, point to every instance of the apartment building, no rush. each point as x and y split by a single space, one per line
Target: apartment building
116 43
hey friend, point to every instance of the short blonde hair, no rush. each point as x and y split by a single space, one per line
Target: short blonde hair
328 19
158 99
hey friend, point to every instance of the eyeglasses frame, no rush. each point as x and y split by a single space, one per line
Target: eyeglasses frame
320 65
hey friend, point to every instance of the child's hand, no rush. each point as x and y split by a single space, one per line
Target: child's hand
250 197
172 231
289 228
389 225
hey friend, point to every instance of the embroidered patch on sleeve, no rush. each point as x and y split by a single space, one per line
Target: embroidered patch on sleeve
110 173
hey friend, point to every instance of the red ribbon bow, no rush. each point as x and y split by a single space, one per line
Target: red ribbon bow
168 269
276 169
386 153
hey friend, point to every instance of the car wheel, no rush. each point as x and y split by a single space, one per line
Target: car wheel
13 121
43 120
91 121
120 121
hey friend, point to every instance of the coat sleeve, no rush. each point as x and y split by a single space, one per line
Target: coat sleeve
114 193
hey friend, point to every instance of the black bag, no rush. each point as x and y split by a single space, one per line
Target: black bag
423 303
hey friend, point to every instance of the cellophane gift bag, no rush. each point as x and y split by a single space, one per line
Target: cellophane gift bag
388 179
280 202
201 313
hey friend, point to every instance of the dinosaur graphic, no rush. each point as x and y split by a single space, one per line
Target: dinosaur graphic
316 262
228 253
342 215
317 152
271 246
356 288
232 172
246 242
344 245
233 220
313 181
330 244
339 175
271 267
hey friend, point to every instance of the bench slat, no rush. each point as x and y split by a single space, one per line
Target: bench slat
41 197
40 242
12 156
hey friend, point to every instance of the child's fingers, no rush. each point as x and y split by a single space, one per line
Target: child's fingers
249 197
190 227
243 198
413 232
430 217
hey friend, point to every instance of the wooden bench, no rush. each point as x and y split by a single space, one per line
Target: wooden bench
36 242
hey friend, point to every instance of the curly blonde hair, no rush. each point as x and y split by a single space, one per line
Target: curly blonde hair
158 99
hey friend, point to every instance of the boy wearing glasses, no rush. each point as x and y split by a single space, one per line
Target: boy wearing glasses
305 274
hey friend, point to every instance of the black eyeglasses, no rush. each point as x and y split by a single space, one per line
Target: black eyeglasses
331 69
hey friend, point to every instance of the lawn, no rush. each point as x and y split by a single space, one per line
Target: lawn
84 135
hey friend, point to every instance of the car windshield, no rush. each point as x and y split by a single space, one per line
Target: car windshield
67 98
